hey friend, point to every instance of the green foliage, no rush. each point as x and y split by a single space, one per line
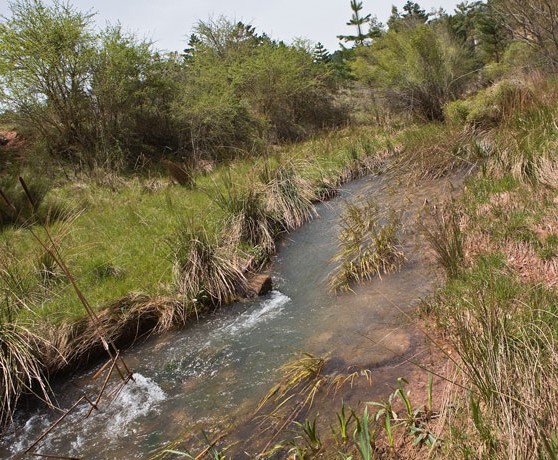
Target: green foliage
90 96
131 89
412 16
493 105
344 422
244 90
478 26
418 69
45 67
362 37
517 60
311 435
363 438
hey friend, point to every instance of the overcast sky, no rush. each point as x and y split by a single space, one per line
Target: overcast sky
169 22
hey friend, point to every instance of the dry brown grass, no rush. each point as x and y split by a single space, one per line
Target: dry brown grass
433 152
368 245
21 368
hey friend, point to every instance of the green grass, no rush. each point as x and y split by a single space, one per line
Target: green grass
499 311
126 226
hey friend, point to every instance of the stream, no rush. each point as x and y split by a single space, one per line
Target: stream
220 367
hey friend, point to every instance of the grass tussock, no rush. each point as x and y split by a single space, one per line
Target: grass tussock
204 270
368 245
288 196
21 368
443 233
247 219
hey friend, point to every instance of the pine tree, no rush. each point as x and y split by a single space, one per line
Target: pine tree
412 16
360 22
321 54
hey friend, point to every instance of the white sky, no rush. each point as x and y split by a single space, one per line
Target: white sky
169 22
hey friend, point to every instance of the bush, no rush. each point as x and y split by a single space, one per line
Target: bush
499 103
418 69
456 112
243 90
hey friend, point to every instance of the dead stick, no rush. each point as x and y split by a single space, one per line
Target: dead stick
105 383
54 425
35 454
208 448
102 369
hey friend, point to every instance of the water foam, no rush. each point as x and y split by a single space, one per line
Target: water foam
269 308
136 399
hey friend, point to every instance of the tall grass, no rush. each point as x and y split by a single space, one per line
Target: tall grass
443 233
368 245
288 196
434 151
204 270
505 333
246 217
21 368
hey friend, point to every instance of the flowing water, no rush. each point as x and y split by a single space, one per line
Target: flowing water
224 364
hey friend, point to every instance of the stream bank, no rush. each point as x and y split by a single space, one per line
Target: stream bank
222 366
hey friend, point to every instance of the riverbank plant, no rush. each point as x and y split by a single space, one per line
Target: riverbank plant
368 245
498 308
289 197
205 271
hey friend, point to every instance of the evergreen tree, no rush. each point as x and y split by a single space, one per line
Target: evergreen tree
413 15
360 22
321 54
480 29
494 37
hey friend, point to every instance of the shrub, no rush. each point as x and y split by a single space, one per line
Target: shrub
499 103
418 69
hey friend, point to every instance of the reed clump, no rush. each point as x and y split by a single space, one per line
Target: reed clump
204 270
443 233
368 245
288 196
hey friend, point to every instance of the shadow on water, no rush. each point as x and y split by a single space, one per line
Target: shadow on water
221 367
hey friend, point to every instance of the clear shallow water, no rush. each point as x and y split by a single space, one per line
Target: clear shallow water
224 364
